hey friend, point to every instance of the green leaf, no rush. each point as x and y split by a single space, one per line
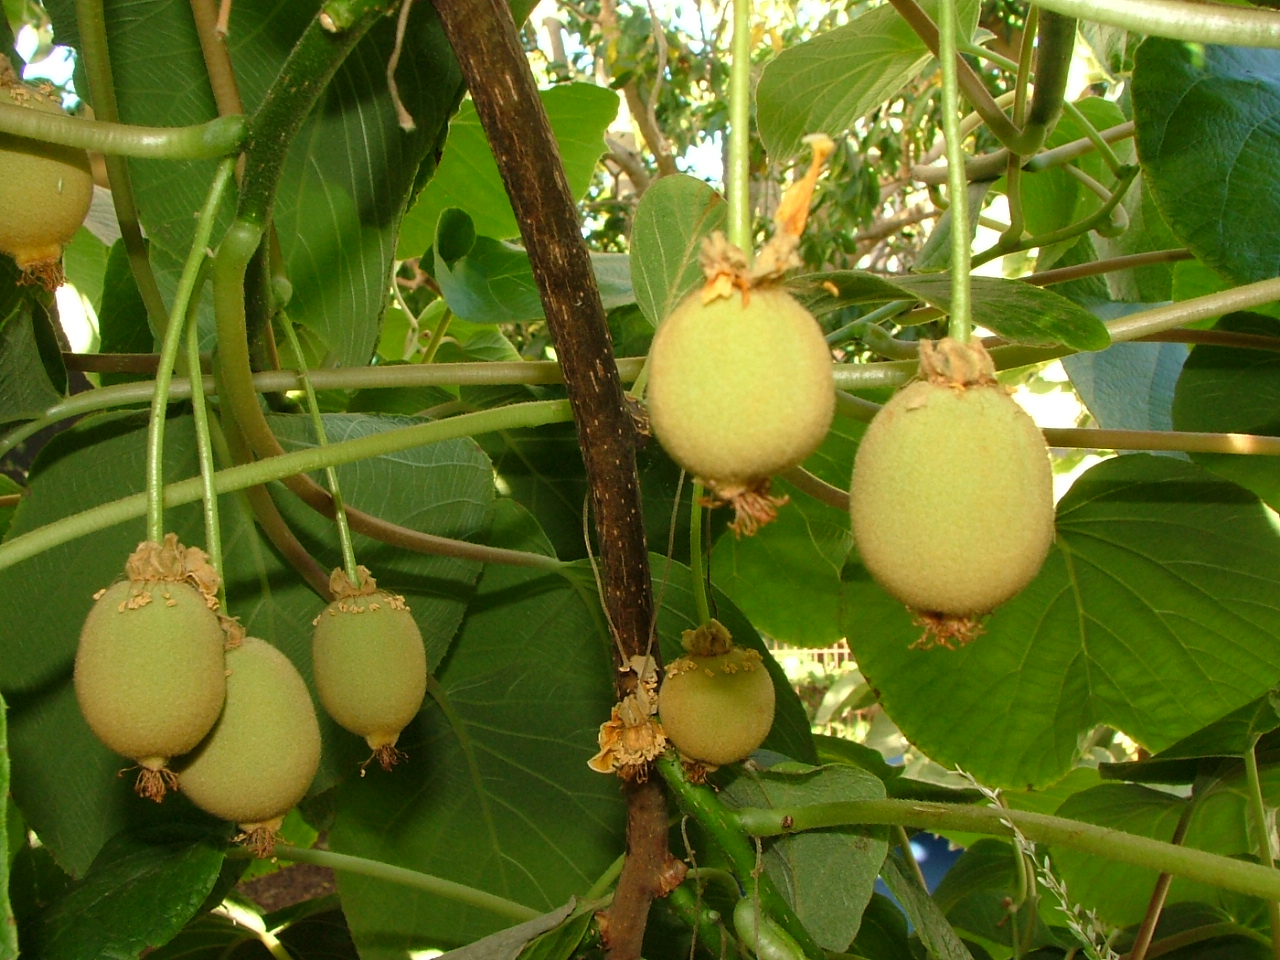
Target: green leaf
122 319
530 939
1192 279
26 389
1146 233
828 83
1157 612
1232 735
666 237
139 893
1129 386
976 891
347 177
8 925
85 263
1208 133
883 935
1234 390
1018 311
930 925
468 176
826 875
1120 893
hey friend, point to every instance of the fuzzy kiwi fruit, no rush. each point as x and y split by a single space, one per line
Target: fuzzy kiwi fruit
716 703
263 753
45 191
952 499
370 667
149 674
740 387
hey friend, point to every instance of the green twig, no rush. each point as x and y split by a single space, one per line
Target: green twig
1155 905
532 414
959 326
1100 143
191 272
437 336
1179 19
435 886
738 176
330 473
201 141
696 555
1116 845
204 449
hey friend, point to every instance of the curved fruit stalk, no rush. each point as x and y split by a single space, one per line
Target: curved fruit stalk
45 190
765 937
369 662
716 703
149 673
952 497
262 755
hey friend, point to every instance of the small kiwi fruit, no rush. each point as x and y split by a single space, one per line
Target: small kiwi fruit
149 674
263 753
952 496
370 664
716 703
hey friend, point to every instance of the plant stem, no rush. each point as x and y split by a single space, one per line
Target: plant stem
191 272
533 414
204 449
437 336
96 57
436 886
959 326
1155 906
697 567
1179 19
1099 142
198 142
1261 832
1199 865
738 176
909 855
330 472
1063 274
701 803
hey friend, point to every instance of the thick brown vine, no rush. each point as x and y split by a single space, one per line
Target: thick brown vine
488 48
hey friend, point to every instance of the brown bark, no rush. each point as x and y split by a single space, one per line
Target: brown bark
485 41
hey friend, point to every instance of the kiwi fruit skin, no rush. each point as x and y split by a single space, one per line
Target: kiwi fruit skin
717 709
739 392
370 665
261 756
46 189
149 672
952 498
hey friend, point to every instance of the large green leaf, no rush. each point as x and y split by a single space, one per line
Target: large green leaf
468 176
348 175
26 344
1157 611
139 893
1234 390
666 237
1208 132
828 83
826 875
1128 386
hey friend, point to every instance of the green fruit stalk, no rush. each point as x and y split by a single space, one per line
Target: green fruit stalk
716 703
263 753
952 496
149 674
45 191
740 388
370 664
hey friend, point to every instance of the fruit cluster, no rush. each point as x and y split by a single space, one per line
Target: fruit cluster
159 675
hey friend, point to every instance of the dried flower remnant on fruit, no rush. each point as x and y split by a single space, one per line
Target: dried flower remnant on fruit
632 736
952 496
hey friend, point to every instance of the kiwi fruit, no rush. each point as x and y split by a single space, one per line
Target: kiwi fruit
952 496
263 753
716 703
45 191
740 388
370 666
149 674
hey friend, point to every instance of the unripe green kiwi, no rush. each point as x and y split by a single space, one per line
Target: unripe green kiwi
716 703
263 753
952 499
740 387
45 191
370 667
149 673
